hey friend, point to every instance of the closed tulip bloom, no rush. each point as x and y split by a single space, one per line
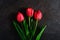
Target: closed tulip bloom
38 15
29 12
20 17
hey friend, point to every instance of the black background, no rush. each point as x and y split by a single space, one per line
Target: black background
49 8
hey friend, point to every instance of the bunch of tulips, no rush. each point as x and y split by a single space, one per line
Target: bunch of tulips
26 28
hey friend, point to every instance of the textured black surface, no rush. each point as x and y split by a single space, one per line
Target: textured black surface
50 9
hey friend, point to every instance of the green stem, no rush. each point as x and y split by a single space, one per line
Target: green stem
34 29
26 27
29 21
36 24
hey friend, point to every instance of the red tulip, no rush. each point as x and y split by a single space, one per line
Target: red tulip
20 17
38 15
29 12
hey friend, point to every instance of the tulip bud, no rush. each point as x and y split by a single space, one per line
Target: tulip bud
29 12
20 17
38 15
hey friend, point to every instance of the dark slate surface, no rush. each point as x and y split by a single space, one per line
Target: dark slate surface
50 9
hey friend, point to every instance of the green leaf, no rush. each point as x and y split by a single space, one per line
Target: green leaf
32 26
26 27
19 30
41 32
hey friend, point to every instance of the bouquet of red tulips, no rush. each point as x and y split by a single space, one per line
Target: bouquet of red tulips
27 28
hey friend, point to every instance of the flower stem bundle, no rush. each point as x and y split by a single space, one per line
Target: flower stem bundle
29 29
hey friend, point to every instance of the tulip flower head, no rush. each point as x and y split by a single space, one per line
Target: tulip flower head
20 17
38 15
29 12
